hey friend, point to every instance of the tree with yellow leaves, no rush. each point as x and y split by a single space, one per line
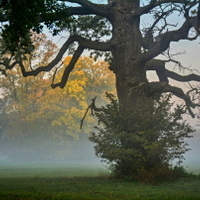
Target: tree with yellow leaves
48 121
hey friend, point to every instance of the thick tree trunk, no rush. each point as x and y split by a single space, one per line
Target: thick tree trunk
130 72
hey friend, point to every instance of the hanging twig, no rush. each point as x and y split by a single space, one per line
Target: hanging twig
91 107
82 120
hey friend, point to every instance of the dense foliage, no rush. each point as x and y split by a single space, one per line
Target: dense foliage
23 16
143 144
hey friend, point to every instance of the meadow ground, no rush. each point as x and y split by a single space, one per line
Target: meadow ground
85 182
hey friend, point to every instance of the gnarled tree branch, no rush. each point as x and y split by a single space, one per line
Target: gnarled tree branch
69 68
158 87
98 9
53 63
156 3
178 77
162 42
164 74
164 87
91 107
159 67
83 44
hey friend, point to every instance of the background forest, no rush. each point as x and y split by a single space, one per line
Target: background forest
38 123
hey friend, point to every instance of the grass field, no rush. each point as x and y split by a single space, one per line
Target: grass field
85 182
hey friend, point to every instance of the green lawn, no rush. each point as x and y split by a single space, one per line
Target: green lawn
84 182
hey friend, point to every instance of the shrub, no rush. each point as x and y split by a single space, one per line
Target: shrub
143 143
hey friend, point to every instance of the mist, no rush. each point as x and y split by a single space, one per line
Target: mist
42 150
192 157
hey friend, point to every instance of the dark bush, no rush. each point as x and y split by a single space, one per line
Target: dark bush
143 143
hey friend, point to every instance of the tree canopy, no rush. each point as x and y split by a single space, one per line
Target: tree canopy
129 43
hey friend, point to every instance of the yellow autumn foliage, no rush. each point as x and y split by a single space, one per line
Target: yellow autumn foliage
37 104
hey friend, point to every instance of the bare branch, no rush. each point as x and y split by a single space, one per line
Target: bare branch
156 3
159 67
84 43
98 9
54 75
164 87
52 64
82 120
89 44
158 87
84 3
162 42
91 107
178 77
79 11
148 39
164 74
7 65
69 68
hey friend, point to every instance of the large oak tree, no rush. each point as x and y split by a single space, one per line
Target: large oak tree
133 48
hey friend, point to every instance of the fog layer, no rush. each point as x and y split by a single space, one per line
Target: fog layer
79 151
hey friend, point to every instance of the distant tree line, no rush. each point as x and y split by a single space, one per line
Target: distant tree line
39 123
